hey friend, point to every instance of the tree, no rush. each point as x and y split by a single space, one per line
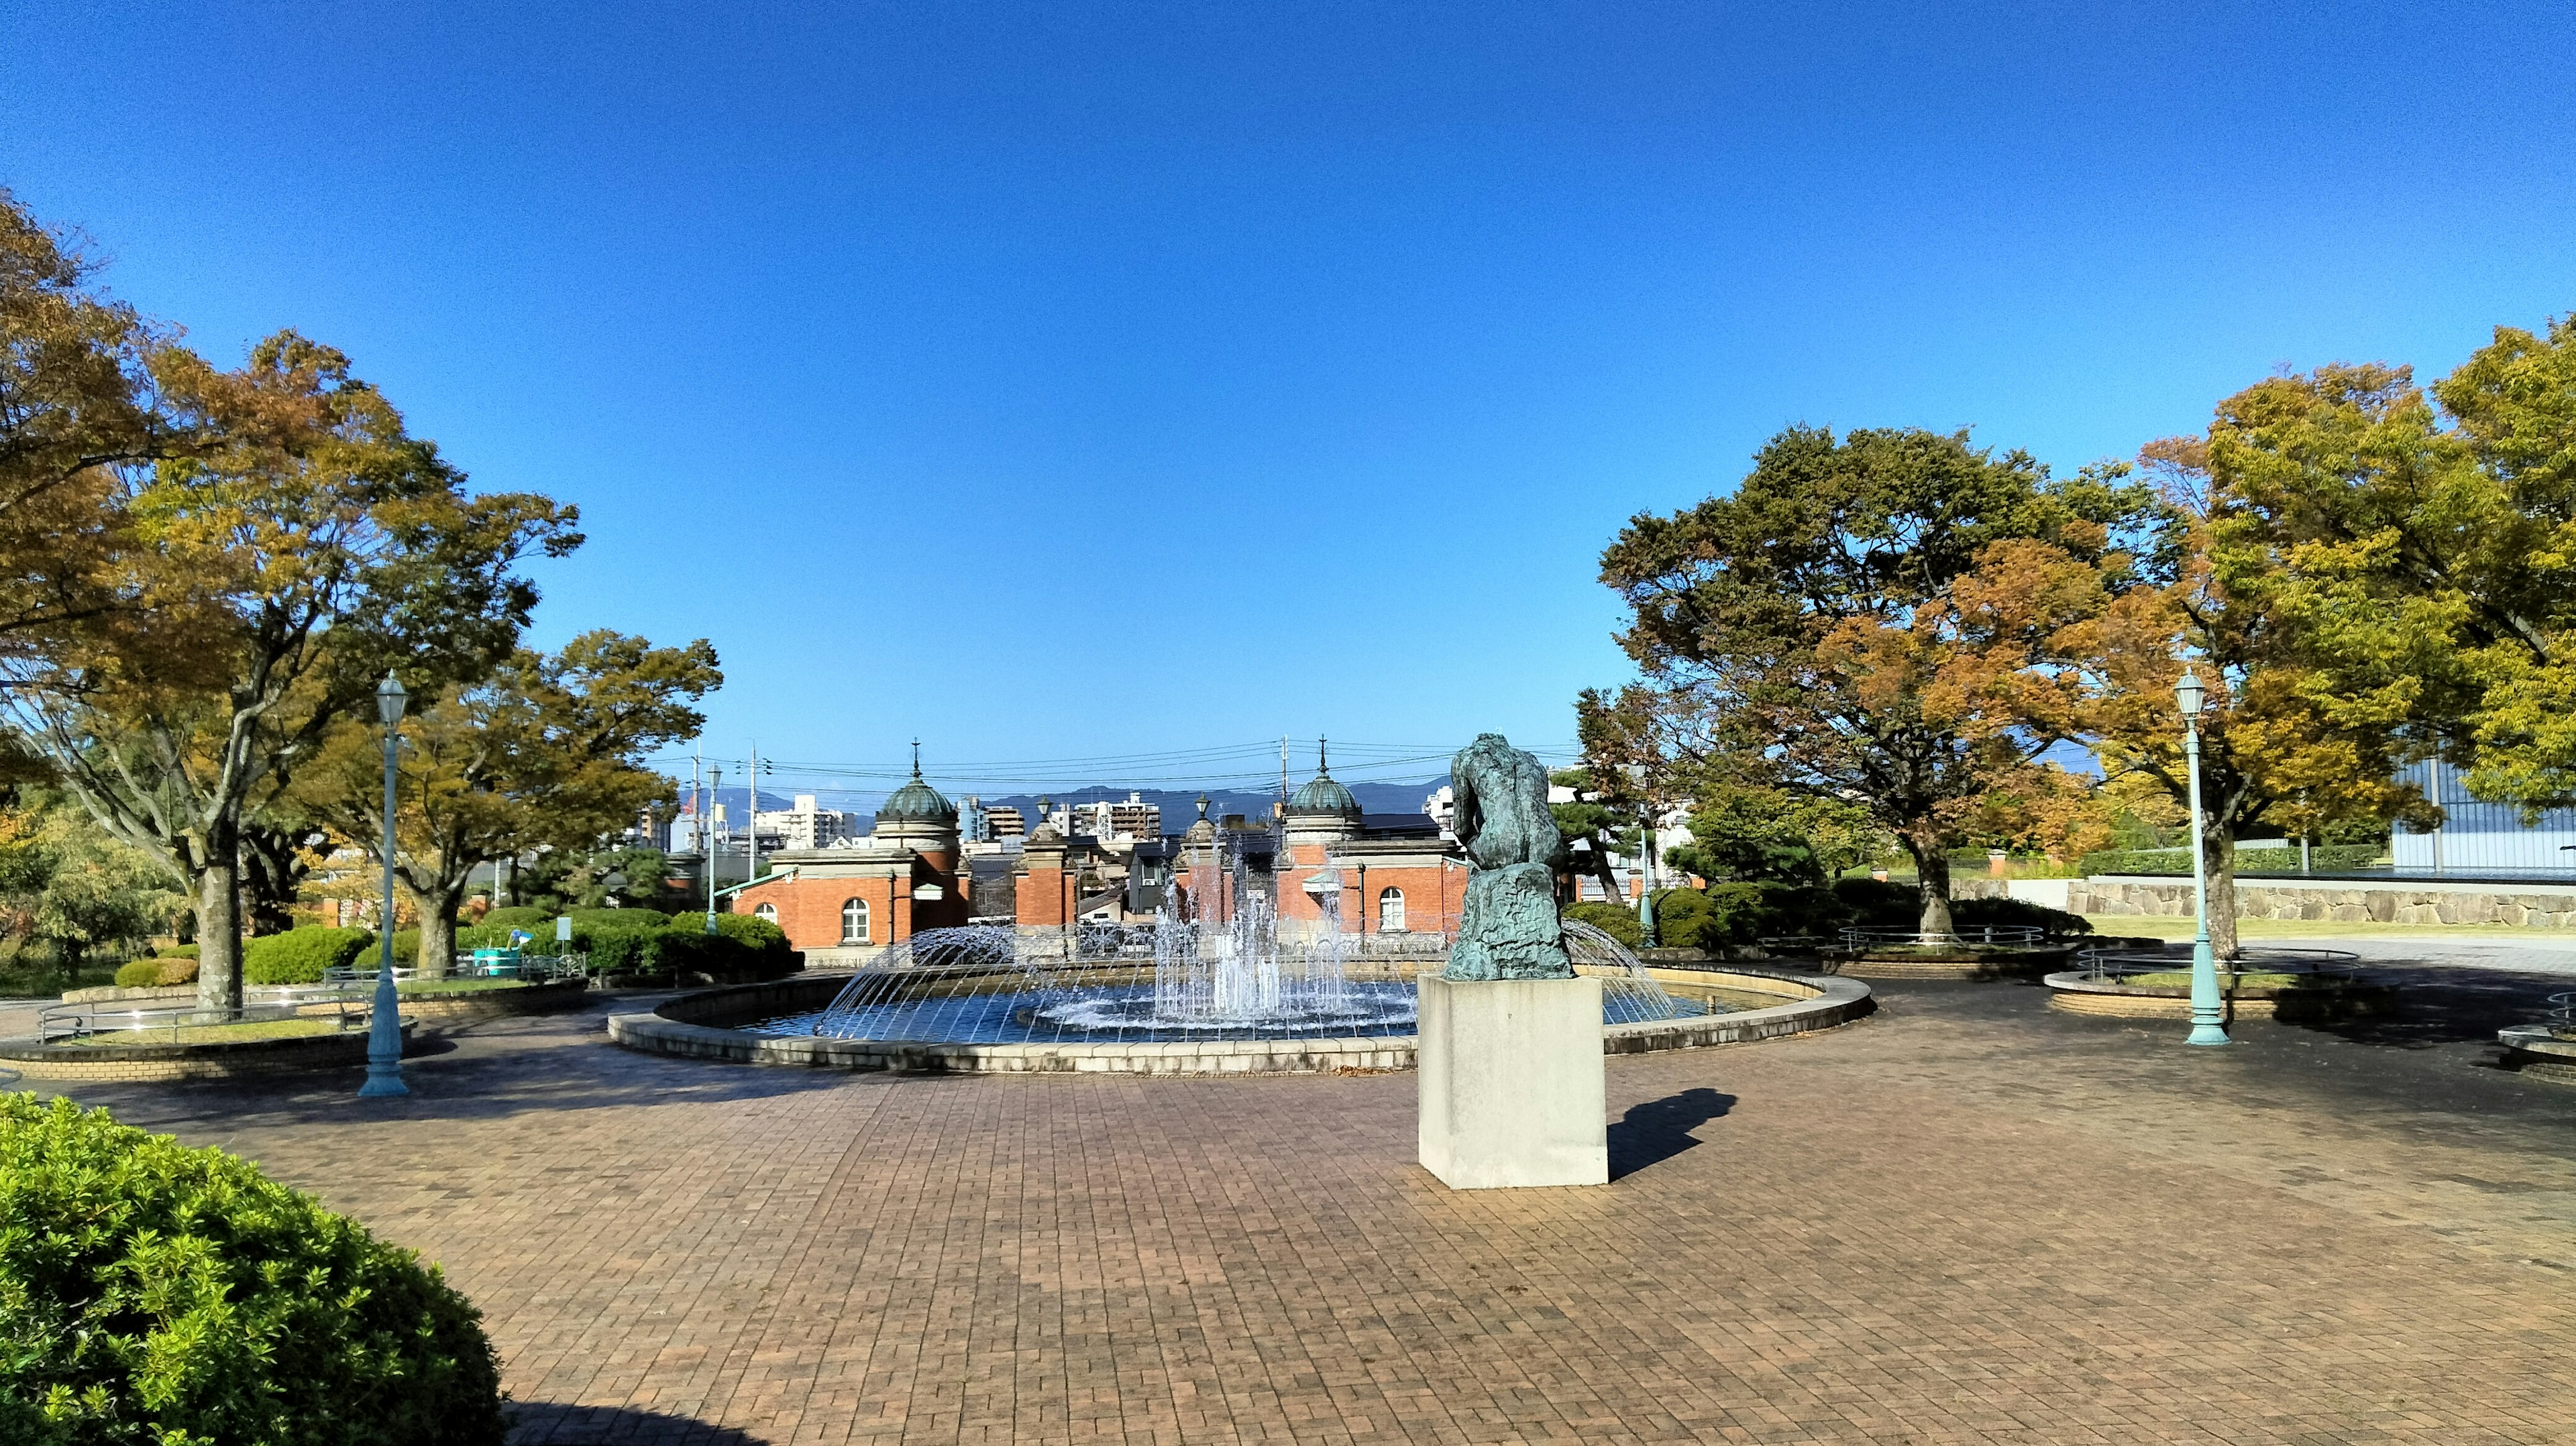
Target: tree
75 889
1804 631
1594 819
78 405
2425 545
302 544
546 752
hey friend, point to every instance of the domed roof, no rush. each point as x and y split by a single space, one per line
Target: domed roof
917 802
1322 795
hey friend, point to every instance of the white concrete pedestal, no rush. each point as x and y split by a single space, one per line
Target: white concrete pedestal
1512 1082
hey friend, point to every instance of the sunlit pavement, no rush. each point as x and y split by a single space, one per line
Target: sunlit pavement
1966 1219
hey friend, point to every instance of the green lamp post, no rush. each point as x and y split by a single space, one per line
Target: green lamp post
2208 1010
384 1020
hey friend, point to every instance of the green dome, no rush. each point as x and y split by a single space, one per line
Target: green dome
917 802
1322 795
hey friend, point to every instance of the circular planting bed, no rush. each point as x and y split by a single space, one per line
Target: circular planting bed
2540 1052
201 1052
2015 952
726 1024
463 1001
2295 985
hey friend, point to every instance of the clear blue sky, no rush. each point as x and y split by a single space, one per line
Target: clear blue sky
1056 381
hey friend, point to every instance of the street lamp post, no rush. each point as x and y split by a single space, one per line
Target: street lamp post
2208 1012
384 1022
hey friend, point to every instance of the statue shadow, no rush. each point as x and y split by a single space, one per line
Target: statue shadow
1657 1130
548 1423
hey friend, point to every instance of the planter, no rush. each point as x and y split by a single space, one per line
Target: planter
1949 961
2538 1051
229 1059
467 1006
2318 998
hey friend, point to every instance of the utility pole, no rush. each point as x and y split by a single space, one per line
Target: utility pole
751 870
707 829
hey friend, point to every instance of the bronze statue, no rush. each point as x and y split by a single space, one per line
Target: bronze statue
1508 927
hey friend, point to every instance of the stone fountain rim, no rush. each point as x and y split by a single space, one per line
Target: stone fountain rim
674 1028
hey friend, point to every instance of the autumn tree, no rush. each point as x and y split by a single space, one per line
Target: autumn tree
1805 632
546 752
2279 746
69 886
2424 543
300 545
78 406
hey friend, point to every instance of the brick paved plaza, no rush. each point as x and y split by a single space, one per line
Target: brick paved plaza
1965 1220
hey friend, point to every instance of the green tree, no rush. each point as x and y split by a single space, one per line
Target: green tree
545 753
2424 543
302 544
1595 819
1806 630
74 889
78 407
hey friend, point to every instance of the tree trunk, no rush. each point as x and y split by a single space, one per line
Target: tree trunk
1931 883
1600 867
437 957
219 946
2218 856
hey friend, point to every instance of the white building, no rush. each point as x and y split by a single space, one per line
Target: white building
806 826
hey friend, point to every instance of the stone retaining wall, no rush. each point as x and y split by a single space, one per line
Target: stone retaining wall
2337 902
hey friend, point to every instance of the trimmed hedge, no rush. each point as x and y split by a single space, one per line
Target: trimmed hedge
138 974
522 916
157 1295
1745 913
299 956
2270 858
1615 920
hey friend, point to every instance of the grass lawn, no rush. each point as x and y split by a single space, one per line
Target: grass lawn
214 1033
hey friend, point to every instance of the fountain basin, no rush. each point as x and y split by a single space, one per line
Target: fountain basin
711 1024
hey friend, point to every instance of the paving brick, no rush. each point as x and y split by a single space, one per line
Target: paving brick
1926 1228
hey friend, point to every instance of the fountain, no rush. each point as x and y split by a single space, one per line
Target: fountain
1212 965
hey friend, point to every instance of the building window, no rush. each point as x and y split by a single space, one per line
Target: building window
1390 911
854 922
765 911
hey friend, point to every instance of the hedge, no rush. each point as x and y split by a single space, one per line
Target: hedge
2272 859
522 916
157 1295
299 956
138 974
1742 913
1615 920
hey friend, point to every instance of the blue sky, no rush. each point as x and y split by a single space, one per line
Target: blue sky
1058 382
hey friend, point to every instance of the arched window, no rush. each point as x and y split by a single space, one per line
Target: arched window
854 922
1390 911
765 911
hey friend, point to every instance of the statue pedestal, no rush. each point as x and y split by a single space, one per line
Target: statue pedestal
1512 1082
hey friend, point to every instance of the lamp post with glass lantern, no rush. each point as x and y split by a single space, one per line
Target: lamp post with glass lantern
384 1023
2208 1011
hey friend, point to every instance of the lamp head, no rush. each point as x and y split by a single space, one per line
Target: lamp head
390 699
2189 693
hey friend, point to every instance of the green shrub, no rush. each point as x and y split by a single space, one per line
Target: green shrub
157 1295
626 919
299 956
138 974
176 971
180 951
520 916
1968 914
2266 858
1615 920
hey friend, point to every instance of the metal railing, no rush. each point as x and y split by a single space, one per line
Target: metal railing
2562 1015
170 1023
2022 936
533 968
2110 966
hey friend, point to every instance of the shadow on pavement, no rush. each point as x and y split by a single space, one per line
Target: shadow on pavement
1660 1129
545 1423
